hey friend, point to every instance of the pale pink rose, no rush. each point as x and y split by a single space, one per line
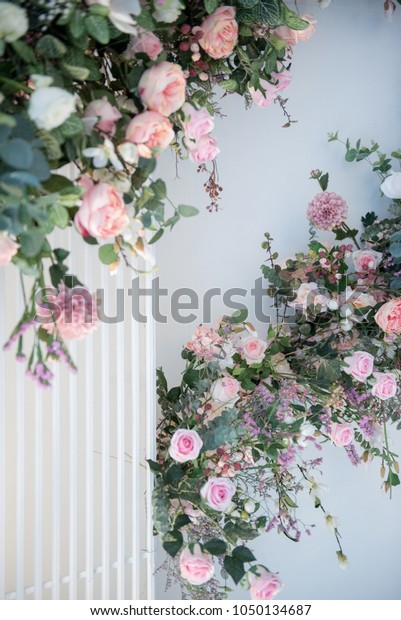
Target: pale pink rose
341 434
196 566
217 493
253 349
364 260
203 150
104 114
206 343
190 510
385 386
162 88
284 79
388 317
225 390
8 248
262 100
102 213
291 37
149 131
307 295
219 32
185 445
69 312
263 584
144 43
360 365
198 122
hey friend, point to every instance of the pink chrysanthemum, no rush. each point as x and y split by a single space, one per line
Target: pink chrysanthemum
71 312
205 343
327 211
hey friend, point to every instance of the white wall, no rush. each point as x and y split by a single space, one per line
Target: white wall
347 78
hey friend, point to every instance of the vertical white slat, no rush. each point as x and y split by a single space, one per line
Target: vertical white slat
105 451
73 480
38 507
3 397
56 484
120 367
20 471
89 431
136 474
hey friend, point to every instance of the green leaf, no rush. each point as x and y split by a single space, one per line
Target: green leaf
244 554
71 127
61 254
90 240
78 73
51 145
395 250
191 377
215 546
51 47
156 236
71 281
155 467
181 521
145 20
292 20
324 181
97 27
174 394
76 25
24 51
265 11
187 210
18 154
234 567
59 215
393 479
107 254
172 542
31 243
239 316
174 474
229 85
350 155
161 507
159 189
57 273
211 5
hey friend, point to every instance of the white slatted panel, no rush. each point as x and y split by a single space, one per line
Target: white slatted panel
74 485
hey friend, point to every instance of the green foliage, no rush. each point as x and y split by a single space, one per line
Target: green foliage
160 505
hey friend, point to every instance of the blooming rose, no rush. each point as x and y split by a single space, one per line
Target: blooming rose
13 22
253 349
307 295
196 566
150 130
262 100
291 37
217 493
263 584
8 248
385 386
104 115
341 434
391 187
197 123
219 32
203 150
360 365
144 43
185 445
162 88
363 300
49 107
225 389
388 317
102 213
167 11
364 260
283 79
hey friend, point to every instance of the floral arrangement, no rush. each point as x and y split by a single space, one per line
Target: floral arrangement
91 93
231 446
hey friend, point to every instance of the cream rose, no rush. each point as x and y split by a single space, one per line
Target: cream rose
253 350
225 390
263 584
162 88
385 386
391 187
388 317
8 248
49 107
360 365
185 445
13 22
196 566
217 493
219 32
102 213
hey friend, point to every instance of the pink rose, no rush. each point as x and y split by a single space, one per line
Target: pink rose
284 79
219 32
291 37
162 88
262 100
8 248
388 317
360 365
185 445
150 130
144 43
196 566
226 389
198 122
104 115
364 260
102 213
385 386
253 349
217 493
341 434
263 584
203 150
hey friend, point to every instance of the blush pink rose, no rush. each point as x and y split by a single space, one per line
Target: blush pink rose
360 365
218 492
162 88
283 79
364 260
198 123
185 445
253 350
144 43
341 434
104 114
196 566
219 32
226 389
149 131
388 317
8 248
263 584
102 213
203 150
385 386
291 37
262 100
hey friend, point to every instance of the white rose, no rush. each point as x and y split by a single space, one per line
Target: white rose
167 11
225 390
391 187
13 22
49 107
